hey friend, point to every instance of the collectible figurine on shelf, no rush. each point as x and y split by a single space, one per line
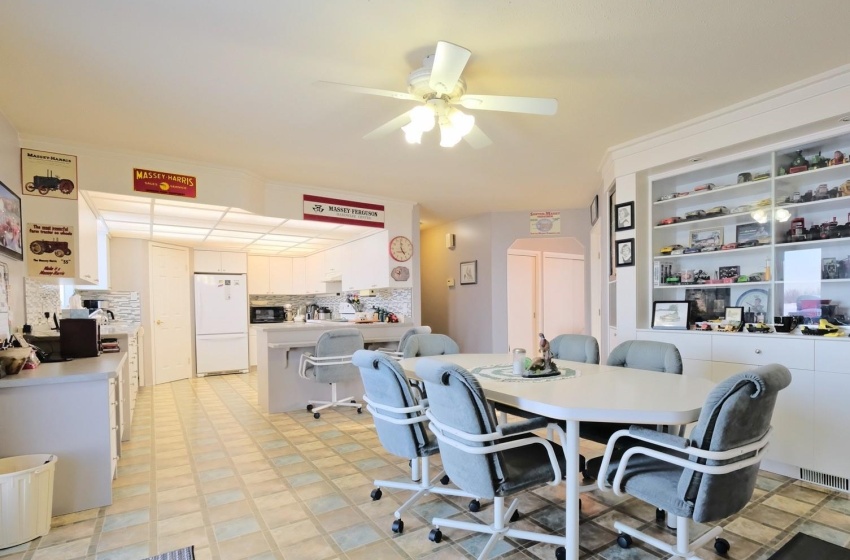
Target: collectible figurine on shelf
837 158
799 163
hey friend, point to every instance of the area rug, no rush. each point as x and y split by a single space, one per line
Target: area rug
187 553
805 547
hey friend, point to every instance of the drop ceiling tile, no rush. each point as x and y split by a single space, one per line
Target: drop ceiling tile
193 213
180 236
227 239
239 218
254 228
186 222
130 234
114 226
235 234
157 229
303 225
288 238
182 204
134 207
125 217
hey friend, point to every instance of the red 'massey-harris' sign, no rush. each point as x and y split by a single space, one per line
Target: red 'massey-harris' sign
145 180
336 211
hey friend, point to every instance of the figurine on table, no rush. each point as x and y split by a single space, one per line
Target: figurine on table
544 363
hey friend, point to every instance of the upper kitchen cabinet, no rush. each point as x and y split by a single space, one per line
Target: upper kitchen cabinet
314 275
269 275
223 262
101 278
368 265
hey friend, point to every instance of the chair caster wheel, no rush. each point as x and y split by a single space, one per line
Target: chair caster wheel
359 410
721 546
624 540
398 526
660 514
316 415
445 480
515 516
353 401
560 553
309 407
474 506
376 494
587 475
435 535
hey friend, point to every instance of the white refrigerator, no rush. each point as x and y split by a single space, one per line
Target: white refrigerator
221 323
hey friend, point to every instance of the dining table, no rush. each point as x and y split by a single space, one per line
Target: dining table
583 393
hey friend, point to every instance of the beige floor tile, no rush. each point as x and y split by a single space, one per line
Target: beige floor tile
296 532
196 537
244 547
180 523
178 507
230 511
124 537
316 548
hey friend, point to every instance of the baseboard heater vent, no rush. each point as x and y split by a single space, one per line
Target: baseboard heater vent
828 480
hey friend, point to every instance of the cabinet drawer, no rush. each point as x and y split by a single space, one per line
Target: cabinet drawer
692 346
759 351
832 356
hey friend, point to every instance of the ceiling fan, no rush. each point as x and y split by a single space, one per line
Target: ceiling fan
440 88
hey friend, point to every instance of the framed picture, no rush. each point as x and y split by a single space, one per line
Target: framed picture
11 244
670 315
612 238
625 215
729 272
734 314
48 174
752 234
469 272
594 210
625 252
705 238
708 303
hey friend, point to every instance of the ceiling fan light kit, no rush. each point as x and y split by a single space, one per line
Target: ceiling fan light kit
439 86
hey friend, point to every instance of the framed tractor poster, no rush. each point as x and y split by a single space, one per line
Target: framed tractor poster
49 252
48 174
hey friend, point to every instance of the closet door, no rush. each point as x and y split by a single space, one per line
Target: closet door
563 294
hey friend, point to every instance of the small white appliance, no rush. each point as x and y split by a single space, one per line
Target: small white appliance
221 323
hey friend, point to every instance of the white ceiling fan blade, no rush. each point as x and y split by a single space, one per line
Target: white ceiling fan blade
532 105
477 139
449 62
368 91
389 127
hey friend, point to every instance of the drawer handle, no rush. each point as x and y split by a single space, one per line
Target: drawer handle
758 351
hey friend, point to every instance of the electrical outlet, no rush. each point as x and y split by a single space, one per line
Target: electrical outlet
450 282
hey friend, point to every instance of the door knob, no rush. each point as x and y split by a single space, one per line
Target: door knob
158 322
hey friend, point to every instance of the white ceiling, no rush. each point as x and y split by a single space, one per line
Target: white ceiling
216 227
232 83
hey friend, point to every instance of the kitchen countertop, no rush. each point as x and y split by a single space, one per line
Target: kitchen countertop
128 329
321 325
105 366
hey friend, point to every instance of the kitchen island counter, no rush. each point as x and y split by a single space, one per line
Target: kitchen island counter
279 350
103 367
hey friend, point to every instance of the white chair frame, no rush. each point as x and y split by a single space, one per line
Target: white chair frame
326 361
500 528
684 547
419 467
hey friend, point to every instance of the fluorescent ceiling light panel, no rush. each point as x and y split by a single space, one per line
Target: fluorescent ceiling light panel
125 217
178 236
289 238
257 228
126 226
179 229
307 225
194 213
237 218
130 234
124 206
186 222
235 234
181 204
231 240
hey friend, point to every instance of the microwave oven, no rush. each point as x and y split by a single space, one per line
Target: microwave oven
267 315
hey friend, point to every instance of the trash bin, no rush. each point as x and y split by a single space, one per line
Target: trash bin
26 497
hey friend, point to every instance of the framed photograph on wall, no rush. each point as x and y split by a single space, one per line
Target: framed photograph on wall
625 252
468 272
594 210
11 243
625 215
670 315
749 235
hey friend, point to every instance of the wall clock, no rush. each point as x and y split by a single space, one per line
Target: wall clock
401 249
754 301
400 273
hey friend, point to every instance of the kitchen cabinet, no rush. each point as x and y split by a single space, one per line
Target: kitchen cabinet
299 276
314 274
368 265
224 262
280 275
87 244
258 274
333 259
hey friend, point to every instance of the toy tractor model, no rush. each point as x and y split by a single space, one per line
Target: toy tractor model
50 183
58 248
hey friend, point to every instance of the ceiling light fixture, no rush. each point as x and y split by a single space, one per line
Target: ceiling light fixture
454 124
761 216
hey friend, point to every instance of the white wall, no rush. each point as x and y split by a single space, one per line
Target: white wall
10 175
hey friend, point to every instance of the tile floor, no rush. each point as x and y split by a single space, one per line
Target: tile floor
206 468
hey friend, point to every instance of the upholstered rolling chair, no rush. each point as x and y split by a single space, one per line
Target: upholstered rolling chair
429 345
708 476
638 354
575 348
400 422
402 342
482 458
331 363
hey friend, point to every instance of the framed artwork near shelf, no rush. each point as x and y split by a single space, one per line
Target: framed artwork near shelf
594 210
747 233
708 303
734 314
708 237
10 218
624 214
729 272
468 272
625 252
670 315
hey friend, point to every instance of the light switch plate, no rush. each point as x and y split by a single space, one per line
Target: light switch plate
450 282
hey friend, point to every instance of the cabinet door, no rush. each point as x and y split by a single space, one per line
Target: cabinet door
376 261
299 276
831 416
333 262
258 275
280 275
353 272
314 273
234 263
763 350
207 261
87 270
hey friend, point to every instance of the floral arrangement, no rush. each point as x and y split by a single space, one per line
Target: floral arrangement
354 300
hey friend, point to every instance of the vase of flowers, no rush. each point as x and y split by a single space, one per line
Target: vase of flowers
354 301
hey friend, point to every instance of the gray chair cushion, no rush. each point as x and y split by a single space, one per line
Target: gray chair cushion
575 348
402 342
386 384
456 400
429 345
736 412
647 354
337 342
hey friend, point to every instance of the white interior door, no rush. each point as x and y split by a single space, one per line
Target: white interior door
522 301
172 320
596 281
563 294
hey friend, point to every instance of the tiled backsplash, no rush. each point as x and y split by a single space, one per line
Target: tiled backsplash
126 306
398 300
40 298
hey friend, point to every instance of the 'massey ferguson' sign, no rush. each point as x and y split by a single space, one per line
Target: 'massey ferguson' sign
336 211
145 180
